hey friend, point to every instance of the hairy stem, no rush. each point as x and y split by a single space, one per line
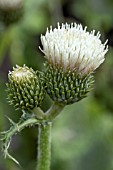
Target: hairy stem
20 126
38 112
54 111
44 146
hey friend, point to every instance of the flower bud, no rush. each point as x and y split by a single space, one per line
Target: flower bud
25 89
10 11
72 54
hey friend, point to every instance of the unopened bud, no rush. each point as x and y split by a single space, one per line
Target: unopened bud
25 89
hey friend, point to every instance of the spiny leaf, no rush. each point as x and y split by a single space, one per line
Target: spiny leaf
11 121
6 136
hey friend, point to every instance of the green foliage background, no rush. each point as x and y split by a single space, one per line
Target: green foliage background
82 136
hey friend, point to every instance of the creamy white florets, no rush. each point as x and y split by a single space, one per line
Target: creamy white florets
71 46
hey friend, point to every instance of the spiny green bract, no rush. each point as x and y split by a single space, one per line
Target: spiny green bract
25 88
67 87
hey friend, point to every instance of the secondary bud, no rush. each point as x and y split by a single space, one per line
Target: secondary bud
11 11
25 89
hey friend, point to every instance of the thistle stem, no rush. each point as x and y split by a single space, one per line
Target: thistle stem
19 127
44 146
38 112
54 111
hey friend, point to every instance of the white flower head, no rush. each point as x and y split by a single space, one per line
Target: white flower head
70 46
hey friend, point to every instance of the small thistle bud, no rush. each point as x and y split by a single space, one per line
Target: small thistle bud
10 11
25 89
72 55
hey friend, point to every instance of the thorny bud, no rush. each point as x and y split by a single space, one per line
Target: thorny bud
25 88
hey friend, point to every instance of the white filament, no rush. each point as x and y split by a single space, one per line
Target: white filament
71 46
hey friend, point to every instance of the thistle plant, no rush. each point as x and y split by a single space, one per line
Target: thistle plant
72 55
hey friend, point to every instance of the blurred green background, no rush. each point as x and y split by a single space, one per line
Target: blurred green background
82 136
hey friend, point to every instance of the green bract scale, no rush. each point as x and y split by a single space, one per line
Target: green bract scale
67 87
25 88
